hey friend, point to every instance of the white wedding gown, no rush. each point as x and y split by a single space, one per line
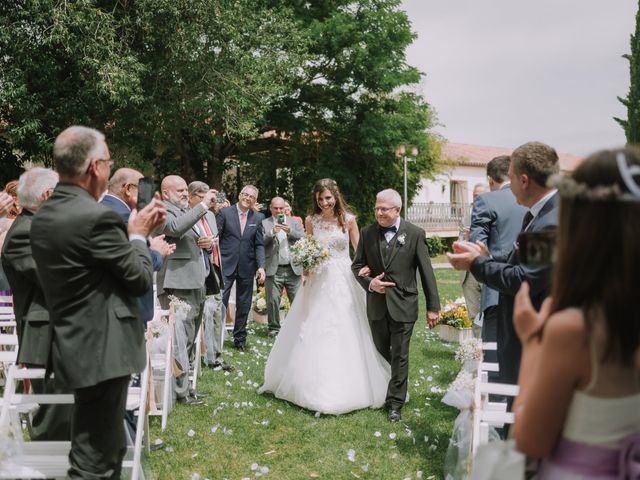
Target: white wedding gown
324 358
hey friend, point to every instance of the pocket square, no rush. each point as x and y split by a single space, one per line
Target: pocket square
251 225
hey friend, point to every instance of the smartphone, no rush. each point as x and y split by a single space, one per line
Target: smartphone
221 197
146 190
280 219
537 248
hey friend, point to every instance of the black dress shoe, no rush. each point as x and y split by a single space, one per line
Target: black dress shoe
188 400
394 416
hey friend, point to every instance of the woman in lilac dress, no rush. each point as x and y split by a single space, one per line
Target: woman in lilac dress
579 401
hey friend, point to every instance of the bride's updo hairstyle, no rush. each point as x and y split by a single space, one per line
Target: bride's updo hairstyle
340 209
598 247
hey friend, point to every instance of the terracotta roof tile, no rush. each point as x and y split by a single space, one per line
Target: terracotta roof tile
480 155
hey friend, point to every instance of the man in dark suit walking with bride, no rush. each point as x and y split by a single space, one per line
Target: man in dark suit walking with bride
392 250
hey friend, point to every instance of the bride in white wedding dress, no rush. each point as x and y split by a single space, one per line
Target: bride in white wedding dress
324 358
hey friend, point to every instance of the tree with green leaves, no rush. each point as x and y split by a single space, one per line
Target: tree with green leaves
273 92
632 101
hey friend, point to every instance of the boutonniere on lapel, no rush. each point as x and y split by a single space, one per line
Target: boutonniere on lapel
402 238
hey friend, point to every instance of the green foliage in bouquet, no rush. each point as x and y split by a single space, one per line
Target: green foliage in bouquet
455 314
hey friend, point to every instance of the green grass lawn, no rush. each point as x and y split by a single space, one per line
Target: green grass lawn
239 434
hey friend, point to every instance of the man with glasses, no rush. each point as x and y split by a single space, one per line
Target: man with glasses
91 270
389 255
242 256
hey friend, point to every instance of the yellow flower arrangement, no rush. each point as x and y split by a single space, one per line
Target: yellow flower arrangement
455 314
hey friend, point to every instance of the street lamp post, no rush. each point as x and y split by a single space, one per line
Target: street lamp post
401 152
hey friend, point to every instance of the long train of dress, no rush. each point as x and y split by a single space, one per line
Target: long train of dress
324 358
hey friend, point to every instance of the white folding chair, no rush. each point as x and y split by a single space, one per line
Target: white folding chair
50 459
486 413
163 363
36 459
197 363
137 400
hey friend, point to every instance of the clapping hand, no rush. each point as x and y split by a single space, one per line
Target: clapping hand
148 219
160 245
205 242
6 202
464 253
525 318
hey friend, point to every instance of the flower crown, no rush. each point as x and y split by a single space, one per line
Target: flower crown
571 189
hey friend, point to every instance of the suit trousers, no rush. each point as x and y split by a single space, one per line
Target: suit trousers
213 327
471 291
284 277
51 422
192 322
98 442
392 340
244 291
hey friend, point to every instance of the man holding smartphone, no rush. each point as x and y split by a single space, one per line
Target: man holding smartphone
183 273
280 232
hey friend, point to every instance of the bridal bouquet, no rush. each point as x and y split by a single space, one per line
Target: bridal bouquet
308 253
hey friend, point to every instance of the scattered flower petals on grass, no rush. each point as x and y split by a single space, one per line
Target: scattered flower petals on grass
392 435
191 433
377 434
351 455
365 467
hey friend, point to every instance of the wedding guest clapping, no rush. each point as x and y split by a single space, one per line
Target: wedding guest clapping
90 271
579 401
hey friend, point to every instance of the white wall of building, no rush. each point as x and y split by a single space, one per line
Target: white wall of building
438 190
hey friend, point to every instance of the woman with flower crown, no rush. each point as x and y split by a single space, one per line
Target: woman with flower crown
324 358
579 401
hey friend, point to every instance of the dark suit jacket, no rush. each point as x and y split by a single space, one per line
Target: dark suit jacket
242 252
400 301
90 274
32 316
145 302
506 278
496 219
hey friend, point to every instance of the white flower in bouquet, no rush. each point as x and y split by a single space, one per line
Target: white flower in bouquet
469 350
178 304
463 382
308 253
261 304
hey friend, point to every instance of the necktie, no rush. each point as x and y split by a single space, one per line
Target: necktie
526 220
243 221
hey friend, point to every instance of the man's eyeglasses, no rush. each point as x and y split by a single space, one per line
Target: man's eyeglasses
243 194
110 162
199 195
383 209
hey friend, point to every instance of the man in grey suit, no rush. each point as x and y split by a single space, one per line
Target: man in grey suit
470 286
394 251
51 422
91 272
531 166
213 310
495 221
280 232
184 272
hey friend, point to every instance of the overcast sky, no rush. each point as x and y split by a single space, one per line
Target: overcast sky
503 72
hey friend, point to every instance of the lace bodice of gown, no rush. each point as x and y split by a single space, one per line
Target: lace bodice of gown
331 236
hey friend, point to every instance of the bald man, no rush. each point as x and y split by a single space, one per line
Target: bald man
184 272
